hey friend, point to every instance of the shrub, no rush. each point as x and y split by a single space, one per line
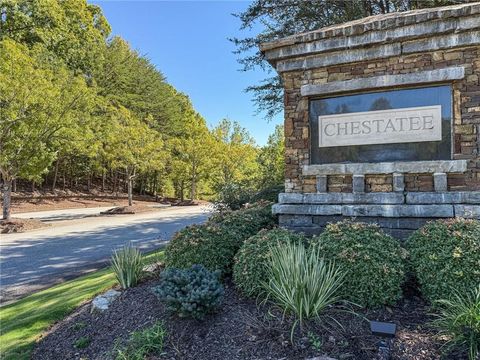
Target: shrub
194 292
215 243
301 282
127 264
445 256
459 320
248 221
251 261
142 343
209 245
374 262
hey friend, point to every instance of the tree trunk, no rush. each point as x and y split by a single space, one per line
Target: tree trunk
33 186
14 185
103 180
155 176
7 198
193 189
55 174
130 185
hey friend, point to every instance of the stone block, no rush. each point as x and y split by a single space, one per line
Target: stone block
358 184
287 209
398 182
433 211
322 183
352 198
457 197
440 181
467 211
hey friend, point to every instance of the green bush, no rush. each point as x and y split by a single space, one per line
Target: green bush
210 245
301 282
127 264
193 292
248 221
445 256
374 262
459 320
215 243
142 343
251 261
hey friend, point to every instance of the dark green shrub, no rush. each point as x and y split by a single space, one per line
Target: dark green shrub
251 261
192 292
247 221
215 243
212 246
445 257
459 320
373 261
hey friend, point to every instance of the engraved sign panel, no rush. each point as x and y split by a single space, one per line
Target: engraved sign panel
406 125
339 133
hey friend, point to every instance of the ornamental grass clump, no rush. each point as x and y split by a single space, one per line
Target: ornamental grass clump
445 257
374 262
301 282
127 264
458 319
251 261
192 292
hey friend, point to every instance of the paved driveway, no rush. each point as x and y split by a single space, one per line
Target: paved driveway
38 259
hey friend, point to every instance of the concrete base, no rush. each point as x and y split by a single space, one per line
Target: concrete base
398 214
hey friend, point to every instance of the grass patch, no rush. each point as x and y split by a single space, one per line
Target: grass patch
142 343
23 321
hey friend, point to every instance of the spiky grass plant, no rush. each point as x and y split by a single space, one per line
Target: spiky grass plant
301 282
127 264
459 320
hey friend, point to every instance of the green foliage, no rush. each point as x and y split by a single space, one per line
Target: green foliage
374 262
247 221
142 343
459 320
301 282
192 292
82 343
445 256
127 264
251 262
211 245
215 243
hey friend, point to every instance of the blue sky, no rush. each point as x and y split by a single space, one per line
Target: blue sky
187 41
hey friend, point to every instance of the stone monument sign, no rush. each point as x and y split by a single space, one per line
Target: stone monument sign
382 120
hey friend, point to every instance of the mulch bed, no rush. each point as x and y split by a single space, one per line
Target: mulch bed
241 329
15 225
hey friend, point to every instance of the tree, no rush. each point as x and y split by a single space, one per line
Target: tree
135 147
236 155
73 30
37 102
192 155
281 18
271 160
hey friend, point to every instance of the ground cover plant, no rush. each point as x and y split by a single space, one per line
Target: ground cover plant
215 243
250 270
127 264
301 281
445 257
459 319
142 343
23 321
193 292
374 262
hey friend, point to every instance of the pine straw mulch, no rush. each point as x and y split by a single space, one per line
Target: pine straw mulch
241 329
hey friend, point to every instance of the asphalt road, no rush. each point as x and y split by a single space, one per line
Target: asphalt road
41 258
